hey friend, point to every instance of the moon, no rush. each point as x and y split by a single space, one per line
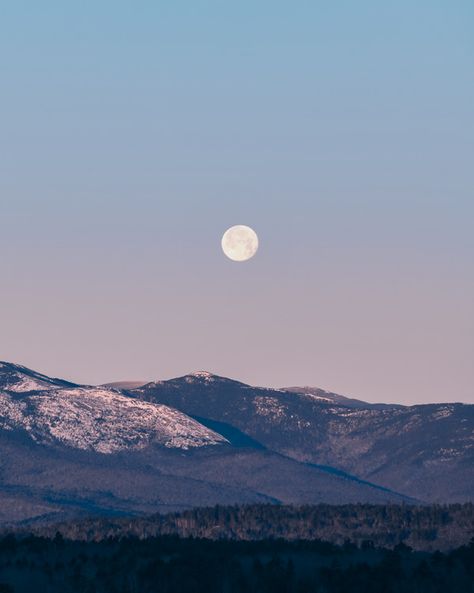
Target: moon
240 243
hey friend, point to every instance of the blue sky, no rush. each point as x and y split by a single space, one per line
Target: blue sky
134 134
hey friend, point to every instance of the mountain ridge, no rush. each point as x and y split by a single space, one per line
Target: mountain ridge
426 451
68 450
203 439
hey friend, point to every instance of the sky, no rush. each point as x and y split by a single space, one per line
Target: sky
134 134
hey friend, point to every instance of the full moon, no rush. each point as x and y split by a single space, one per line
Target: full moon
240 243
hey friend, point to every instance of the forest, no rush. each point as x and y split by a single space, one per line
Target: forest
169 564
424 528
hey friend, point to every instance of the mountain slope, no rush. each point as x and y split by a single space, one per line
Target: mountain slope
424 451
101 420
46 482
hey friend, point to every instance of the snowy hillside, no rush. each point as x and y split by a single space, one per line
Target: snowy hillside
101 420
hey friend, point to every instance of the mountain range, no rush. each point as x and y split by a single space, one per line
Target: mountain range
70 450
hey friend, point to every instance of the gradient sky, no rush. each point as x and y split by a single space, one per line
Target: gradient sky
134 133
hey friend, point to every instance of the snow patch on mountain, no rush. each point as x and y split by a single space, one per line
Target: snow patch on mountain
202 375
443 412
11 412
24 384
313 396
269 406
102 420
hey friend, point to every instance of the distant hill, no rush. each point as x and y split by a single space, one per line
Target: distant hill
124 384
327 396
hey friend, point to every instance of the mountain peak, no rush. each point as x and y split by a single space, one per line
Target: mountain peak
204 375
205 378
195 380
20 379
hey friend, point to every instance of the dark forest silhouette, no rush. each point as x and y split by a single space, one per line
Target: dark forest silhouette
169 564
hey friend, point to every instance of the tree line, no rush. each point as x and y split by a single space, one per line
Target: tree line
429 528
